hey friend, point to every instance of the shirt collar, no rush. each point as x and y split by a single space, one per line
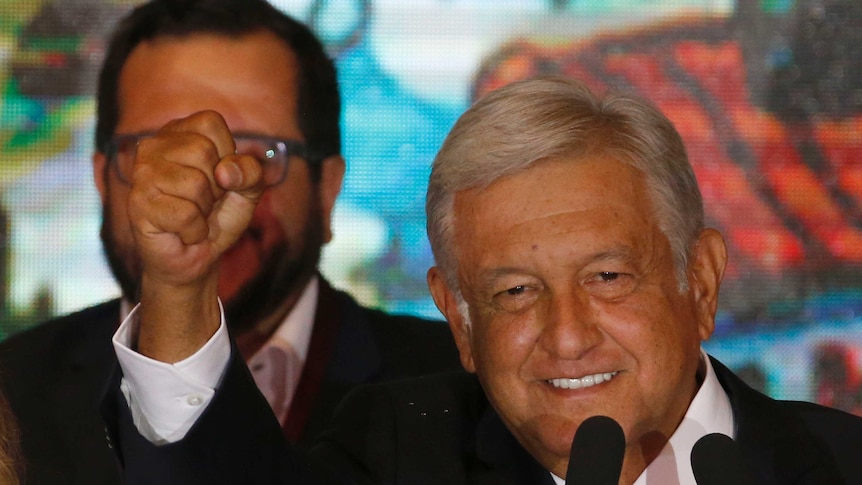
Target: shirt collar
709 412
297 325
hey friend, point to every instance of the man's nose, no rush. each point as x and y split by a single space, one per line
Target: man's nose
571 326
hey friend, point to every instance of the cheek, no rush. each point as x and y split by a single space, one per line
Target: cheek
120 225
652 320
501 348
663 343
277 218
502 343
283 211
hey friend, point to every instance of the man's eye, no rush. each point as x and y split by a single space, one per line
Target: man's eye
517 290
610 284
515 299
608 276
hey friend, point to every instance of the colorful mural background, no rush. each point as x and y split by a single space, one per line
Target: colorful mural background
766 93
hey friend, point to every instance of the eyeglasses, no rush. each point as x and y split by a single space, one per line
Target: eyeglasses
272 153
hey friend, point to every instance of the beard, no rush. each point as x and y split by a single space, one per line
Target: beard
124 264
281 276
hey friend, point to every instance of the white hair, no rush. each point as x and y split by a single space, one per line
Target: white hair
525 122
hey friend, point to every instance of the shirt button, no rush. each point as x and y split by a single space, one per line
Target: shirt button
194 400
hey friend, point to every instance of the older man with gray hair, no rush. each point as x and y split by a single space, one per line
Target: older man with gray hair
578 280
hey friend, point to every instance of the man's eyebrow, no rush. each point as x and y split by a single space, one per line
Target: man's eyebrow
619 253
624 253
492 274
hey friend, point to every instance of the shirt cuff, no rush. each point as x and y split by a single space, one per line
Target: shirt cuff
167 399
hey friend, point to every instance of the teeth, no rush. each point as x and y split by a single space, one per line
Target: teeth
580 383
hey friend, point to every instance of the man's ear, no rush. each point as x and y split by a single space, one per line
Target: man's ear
100 163
706 272
447 303
331 177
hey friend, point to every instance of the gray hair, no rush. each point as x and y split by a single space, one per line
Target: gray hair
525 122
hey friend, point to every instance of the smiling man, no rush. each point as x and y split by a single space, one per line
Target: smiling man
566 297
578 279
575 307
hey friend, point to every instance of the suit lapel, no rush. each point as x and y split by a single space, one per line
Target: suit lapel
777 443
342 354
500 458
79 386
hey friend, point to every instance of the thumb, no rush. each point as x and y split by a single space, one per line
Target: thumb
241 174
241 178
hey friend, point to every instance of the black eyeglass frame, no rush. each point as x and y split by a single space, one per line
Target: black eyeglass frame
285 149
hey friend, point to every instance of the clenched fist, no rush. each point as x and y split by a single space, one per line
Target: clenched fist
191 198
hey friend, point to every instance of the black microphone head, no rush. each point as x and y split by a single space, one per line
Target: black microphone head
597 453
717 460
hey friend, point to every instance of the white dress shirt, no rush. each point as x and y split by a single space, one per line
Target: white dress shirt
709 412
166 399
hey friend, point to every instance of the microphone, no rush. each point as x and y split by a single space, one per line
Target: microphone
597 453
717 460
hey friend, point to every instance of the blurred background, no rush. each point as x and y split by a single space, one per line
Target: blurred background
767 95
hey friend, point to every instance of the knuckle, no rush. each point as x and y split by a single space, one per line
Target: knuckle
186 215
199 147
210 120
209 123
180 214
141 173
174 125
198 185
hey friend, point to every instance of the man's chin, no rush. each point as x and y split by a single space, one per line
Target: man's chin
550 433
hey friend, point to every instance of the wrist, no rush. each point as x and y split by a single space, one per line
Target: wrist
177 319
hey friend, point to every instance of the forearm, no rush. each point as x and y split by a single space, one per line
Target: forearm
177 320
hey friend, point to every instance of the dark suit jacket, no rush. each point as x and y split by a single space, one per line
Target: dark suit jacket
54 376
441 429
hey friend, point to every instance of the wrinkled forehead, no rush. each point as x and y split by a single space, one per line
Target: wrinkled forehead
559 196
